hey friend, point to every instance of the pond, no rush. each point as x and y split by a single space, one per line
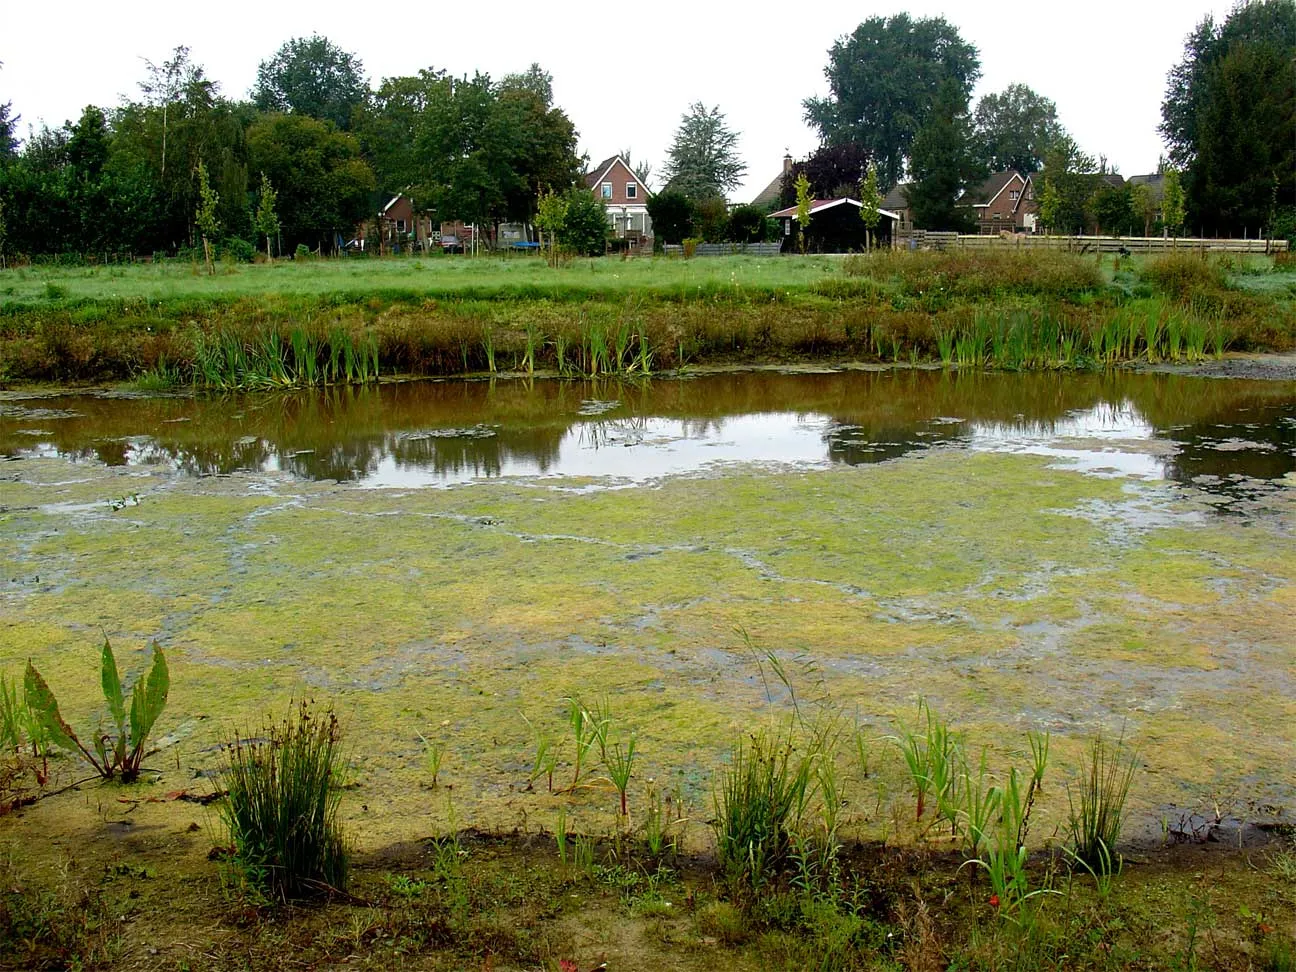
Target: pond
1227 436
1072 553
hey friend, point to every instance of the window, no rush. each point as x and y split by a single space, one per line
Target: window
400 226
631 190
607 190
1014 195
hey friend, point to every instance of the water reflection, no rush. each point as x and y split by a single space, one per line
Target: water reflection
1220 435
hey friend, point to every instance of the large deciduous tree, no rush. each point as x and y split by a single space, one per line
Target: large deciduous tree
471 148
1229 118
1015 129
883 80
833 170
1067 183
944 164
312 76
703 160
321 183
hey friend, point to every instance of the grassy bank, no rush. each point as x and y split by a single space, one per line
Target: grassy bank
468 900
327 322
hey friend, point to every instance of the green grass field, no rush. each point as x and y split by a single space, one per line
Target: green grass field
30 286
282 323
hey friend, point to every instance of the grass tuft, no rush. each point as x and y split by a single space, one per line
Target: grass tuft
284 786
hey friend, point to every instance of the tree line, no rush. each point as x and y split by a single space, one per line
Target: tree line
900 98
302 156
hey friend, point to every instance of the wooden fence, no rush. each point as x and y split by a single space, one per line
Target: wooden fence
727 249
918 239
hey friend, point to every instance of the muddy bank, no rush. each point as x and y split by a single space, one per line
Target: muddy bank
1258 367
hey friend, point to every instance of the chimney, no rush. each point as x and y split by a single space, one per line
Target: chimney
787 162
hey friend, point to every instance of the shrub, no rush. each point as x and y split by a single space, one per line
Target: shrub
240 250
747 224
284 787
114 755
1183 275
303 252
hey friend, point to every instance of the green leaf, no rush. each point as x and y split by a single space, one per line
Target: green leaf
43 705
112 688
148 699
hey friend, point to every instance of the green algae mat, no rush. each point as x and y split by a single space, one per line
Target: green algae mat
1089 568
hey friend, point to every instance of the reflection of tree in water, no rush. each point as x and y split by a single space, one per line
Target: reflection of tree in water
856 445
599 432
479 452
1215 456
348 433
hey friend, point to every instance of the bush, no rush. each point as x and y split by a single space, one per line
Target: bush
584 227
713 220
237 249
284 786
303 252
672 216
1183 275
747 224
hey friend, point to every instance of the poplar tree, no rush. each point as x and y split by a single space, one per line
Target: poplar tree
871 202
205 218
1172 202
267 219
803 207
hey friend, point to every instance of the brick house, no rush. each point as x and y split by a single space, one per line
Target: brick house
1004 203
396 224
626 197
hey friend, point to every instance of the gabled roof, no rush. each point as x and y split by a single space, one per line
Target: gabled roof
896 199
1154 181
595 175
819 205
989 191
770 194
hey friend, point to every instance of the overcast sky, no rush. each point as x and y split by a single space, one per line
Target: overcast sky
624 73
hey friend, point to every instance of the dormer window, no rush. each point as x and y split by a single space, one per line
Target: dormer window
607 190
631 190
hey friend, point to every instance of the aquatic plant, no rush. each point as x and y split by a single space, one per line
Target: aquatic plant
930 756
1097 805
619 759
758 806
115 755
283 788
433 756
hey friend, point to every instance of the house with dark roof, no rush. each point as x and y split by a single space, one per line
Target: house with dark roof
1004 203
897 201
835 226
768 198
626 197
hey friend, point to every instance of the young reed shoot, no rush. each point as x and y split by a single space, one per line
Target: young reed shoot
433 756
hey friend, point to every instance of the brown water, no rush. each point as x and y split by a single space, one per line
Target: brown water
1229 437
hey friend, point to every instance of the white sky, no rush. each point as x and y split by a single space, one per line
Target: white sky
624 73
